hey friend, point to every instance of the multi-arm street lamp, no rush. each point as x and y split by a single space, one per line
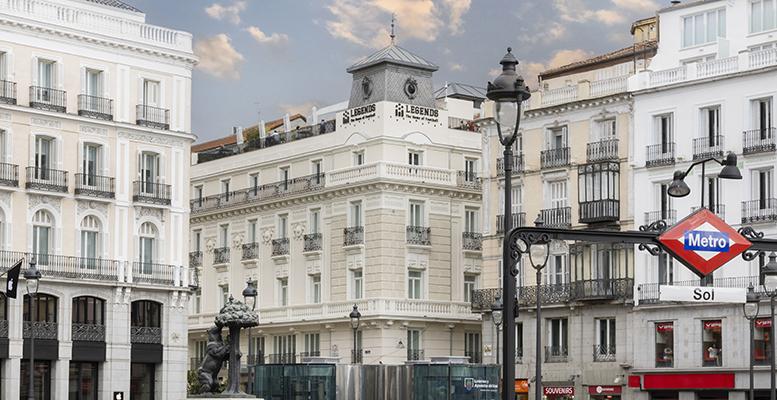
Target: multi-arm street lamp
496 316
769 273
32 276
678 187
750 310
508 91
355 317
249 298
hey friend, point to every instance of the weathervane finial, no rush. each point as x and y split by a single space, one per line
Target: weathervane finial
392 29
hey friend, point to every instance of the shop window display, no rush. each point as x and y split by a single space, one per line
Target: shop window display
665 345
711 343
762 341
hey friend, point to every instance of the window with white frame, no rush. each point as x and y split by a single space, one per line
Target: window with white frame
284 179
224 295
471 169
763 187
415 284
598 182
223 235
358 158
251 232
763 15
150 173
413 344
283 292
283 227
704 28
556 138
225 190
714 199
699 59
516 199
314 221
312 344
470 284
556 270
664 207
285 348
472 347
259 348
253 184
198 194
665 269
315 288
147 237
357 285
90 243
150 93
605 339
94 90
710 125
415 157
470 220
558 337
762 47
7 92
663 132
44 151
197 301
606 129
316 172
92 166
762 117
47 80
558 194
42 237
356 214
416 214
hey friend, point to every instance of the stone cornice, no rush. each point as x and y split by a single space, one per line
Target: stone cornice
577 105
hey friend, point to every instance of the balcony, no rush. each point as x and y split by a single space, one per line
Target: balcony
602 289
152 193
152 117
468 180
195 259
556 354
88 332
518 165
475 357
48 99
221 255
549 294
8 92
353 236
560 217
46 179
313 242
554 158
282 358
95 186
561 95
280 247
668 216
419 235
95 107
9 175
604 353
519 355
42 330
660 154
707 147
392 171
759 140
602 150
718 209
145 334
754 211
250 251
152 273
415 354
518 219
472 241
482 299
357 358
599 211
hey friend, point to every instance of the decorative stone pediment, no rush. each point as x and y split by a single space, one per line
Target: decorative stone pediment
313 262
558 247
34 200
281 267
355 260
222 276
473 265
417 259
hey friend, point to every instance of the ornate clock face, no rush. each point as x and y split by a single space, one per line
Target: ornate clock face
411 87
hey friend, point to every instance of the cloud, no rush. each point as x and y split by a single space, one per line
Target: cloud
641 6
278 41
610 17
579 11
218 57
231 13
552 32
530 70
456 67
303 109
457 9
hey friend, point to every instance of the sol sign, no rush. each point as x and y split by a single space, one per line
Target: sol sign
563 390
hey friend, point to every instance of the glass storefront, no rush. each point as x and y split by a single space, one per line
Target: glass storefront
41 380
83 381
712 339
762 341
664 344
142 381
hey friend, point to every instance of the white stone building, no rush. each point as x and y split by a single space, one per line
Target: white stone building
95 148
377 208
709 91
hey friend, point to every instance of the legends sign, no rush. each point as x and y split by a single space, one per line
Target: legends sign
358 113
417 112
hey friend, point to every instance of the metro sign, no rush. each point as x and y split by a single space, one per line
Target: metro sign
703 242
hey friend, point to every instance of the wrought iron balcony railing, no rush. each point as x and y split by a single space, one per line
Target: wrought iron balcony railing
602 150
560 217
304 354
482 299
282 358
95 185
549 294
152 117
660 154
758 140
251 251
95 107
195 259
518 219
255 359
4 329
8 92
419 235
518 165
604 352
475 357
150 192
556 354
669 216
519 355
221 255
9 175
707 147
46 179
280 247
554 158
48 99
759 210
718 209
313 242
472 241
353 236
599 211
145 334
41 330
468 180
415 354
144 272
88 332
269 191
602 289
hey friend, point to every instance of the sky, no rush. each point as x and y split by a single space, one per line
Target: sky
260 59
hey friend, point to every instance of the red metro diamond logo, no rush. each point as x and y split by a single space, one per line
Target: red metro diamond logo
703 242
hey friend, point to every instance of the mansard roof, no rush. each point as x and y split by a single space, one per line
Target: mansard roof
393 54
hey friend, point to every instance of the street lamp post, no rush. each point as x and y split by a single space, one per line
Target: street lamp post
507 92
769 273
750 310
355 317
540 251
496 316
678 187
249 298
32 276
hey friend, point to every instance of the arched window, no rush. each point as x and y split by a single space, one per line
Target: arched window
88 310
90 243
146 246
146 313
42 225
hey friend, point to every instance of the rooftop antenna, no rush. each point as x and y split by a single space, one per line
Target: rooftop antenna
392 29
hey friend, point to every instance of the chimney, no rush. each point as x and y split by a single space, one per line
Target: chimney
238 131
675 2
